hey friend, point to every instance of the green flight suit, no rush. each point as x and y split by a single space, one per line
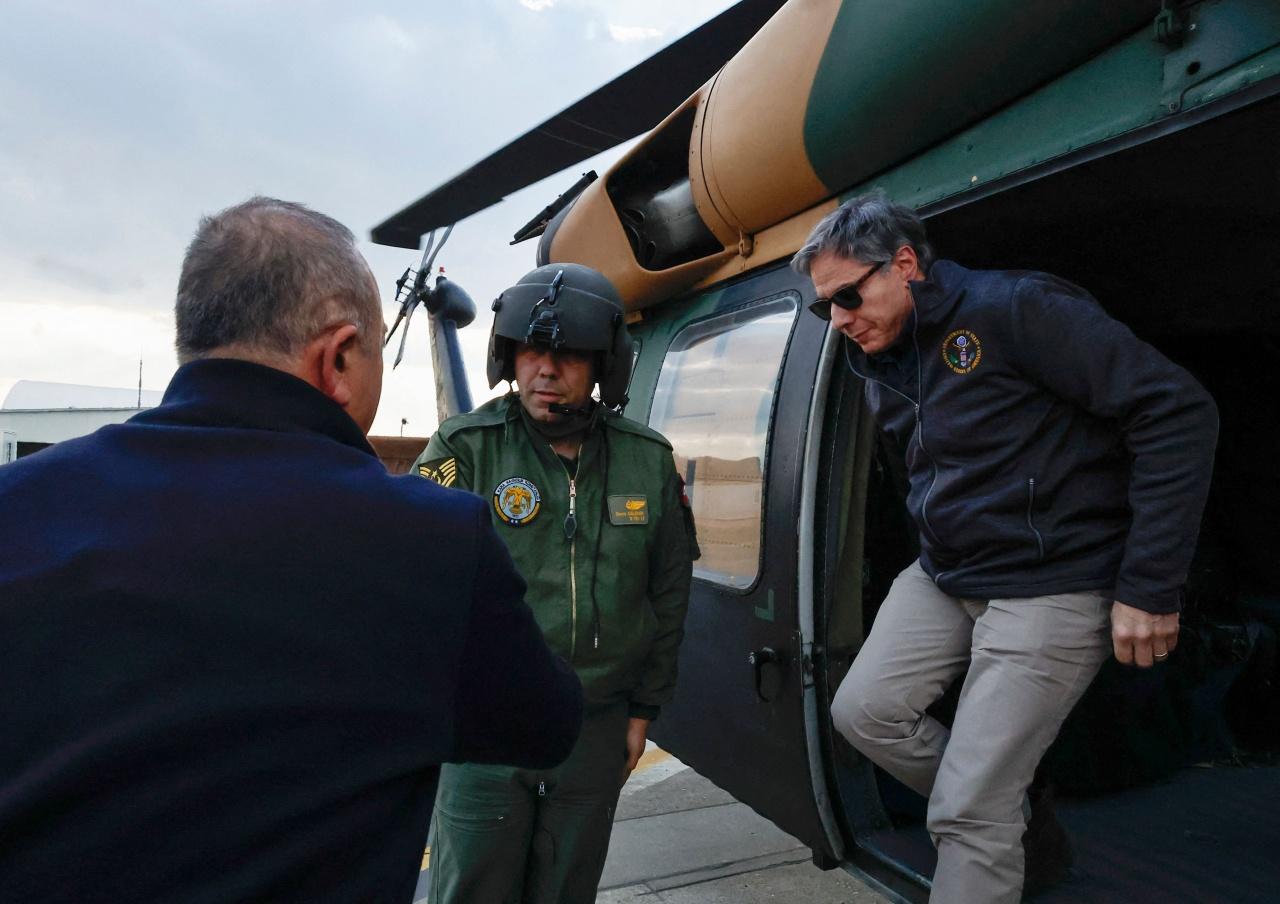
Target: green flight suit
610 594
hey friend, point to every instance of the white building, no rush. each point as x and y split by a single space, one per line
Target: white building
35 414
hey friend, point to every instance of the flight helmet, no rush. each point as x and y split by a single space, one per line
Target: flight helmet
563 306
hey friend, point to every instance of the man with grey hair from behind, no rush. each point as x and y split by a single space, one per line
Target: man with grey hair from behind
235 650
1057 469
273 282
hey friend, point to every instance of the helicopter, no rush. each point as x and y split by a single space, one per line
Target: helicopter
1125 145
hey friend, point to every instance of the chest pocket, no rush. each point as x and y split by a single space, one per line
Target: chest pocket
628 508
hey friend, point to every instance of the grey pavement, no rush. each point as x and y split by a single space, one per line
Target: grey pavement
678 839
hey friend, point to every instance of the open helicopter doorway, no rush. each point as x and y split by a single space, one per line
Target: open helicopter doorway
1167 779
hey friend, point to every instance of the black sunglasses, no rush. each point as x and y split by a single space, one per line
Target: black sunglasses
846 297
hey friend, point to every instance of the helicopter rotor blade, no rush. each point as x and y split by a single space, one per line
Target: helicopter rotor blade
631 103
444 238
426 249
404 337
404 278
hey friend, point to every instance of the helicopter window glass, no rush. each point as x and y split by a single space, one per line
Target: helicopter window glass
713 402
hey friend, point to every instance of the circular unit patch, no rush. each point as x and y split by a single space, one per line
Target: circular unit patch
517 501
962 351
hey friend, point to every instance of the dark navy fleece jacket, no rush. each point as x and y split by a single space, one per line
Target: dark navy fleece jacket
1049 450
234 652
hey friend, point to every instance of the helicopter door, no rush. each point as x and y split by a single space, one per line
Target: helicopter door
732 392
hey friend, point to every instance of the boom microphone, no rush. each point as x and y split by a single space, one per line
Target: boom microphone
569 411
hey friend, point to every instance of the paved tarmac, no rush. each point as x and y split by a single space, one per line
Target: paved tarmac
678 839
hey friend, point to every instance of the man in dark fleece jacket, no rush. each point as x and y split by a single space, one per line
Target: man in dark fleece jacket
235 650
1058 468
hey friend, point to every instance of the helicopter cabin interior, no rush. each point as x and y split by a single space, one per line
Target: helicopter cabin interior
1168 778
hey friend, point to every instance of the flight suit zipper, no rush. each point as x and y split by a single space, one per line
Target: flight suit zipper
573 567
571 533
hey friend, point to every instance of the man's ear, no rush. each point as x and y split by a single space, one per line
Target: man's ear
907 262
327 361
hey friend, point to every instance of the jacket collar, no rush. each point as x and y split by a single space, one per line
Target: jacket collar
936 296
228 392
933 300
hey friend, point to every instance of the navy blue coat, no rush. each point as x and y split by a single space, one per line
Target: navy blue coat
234 651
1049 449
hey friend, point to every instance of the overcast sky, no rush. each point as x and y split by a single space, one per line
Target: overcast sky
122 123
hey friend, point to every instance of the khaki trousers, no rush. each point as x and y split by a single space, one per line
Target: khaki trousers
1029 662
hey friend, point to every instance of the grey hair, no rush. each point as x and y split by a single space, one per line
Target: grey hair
869 229
269 276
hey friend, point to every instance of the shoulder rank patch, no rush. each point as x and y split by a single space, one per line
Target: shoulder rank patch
962 351
628 509
517 501
444 471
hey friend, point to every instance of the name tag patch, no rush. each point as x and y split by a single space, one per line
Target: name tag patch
628 509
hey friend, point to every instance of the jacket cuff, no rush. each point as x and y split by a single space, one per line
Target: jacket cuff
643 711
1161 604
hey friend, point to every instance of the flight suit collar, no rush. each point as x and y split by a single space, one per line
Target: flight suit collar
590 439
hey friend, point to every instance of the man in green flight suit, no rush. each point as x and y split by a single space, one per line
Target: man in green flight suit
594 514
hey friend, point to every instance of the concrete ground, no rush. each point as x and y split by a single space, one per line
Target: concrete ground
678 839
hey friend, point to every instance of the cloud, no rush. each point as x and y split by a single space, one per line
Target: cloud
627 33
122 128
68 341
384 30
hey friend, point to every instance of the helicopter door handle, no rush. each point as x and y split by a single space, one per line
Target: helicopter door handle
758 659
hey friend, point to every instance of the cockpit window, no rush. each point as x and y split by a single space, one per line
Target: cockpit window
713 402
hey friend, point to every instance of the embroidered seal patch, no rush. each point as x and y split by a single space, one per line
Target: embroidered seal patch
962 351
443 472
517 501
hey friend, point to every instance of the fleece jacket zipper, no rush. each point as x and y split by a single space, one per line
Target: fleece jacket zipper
917 407
1031 504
